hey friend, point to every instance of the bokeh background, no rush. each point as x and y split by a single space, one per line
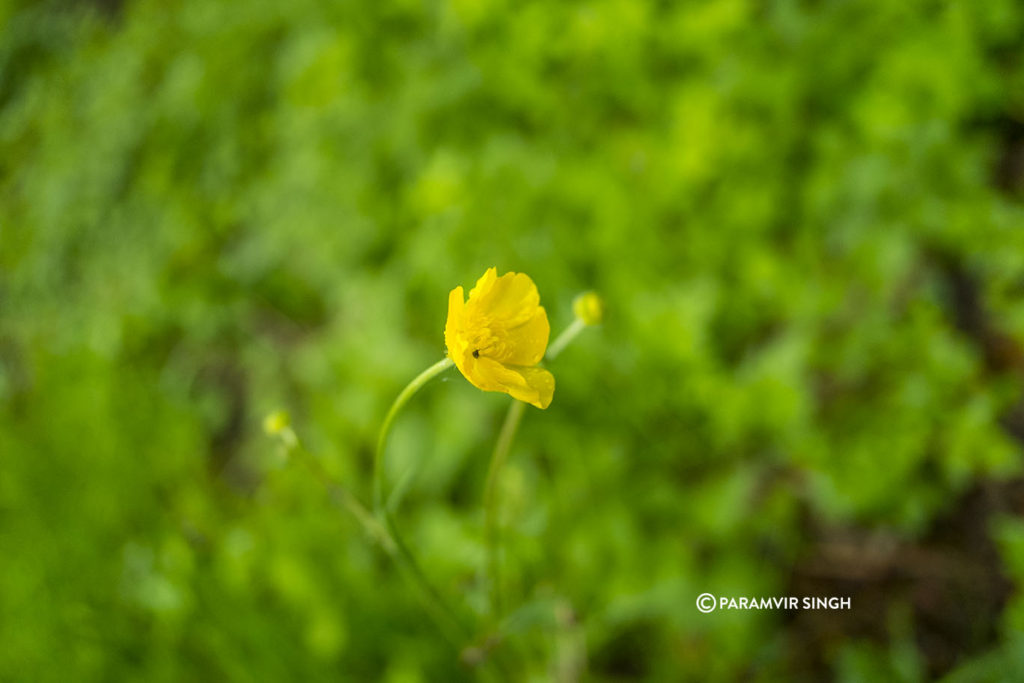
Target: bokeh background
805 219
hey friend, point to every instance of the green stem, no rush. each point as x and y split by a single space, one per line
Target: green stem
381 526
340 495
382 440
563 340
385 534
443 615
498 457
491 532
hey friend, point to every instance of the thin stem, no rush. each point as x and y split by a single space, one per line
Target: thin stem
385 534
339 494
498 457
563 340
381 526
382 440
443 615
491 532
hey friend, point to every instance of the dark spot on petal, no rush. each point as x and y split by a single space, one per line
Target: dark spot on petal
476 353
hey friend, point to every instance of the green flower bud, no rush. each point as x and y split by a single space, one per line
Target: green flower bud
589 307
276 422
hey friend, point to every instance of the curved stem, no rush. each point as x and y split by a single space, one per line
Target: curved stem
338 493
385 533
443 615
380 524
382 439
491 535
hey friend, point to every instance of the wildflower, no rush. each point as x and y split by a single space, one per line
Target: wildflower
497 337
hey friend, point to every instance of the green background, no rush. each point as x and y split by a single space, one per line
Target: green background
805 221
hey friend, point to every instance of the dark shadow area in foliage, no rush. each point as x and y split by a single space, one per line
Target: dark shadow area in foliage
953 577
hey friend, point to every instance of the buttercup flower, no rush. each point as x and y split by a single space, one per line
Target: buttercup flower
497 337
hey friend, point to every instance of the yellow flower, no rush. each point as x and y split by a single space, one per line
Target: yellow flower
499 335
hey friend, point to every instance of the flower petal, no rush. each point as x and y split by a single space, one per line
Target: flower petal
535 386
510 299
542 383
490 375
453 336
484 284
525 344
456 310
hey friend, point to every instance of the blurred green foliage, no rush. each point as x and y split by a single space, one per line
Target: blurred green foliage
804 219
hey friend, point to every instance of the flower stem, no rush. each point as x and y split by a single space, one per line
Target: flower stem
502 447
444 616
563 340
383 533
382 440
491 532
339 494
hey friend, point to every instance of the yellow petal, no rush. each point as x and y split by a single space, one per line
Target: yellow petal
535 386
525 344
490 375
484 284
511 298
454 325
542 383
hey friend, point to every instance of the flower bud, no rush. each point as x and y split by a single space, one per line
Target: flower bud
589 307
276 422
